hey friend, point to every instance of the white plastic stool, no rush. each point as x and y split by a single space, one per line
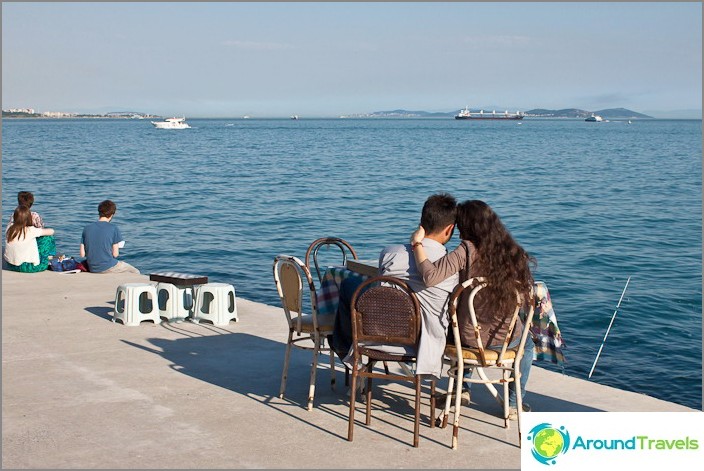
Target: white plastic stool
135 303
215 302
175 302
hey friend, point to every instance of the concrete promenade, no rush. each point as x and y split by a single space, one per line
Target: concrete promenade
79 391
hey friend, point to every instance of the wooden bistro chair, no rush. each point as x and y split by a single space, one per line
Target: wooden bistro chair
303 329
506 360
312 252
385 312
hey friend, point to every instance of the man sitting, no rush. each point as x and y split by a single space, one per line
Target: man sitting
438 218
100 243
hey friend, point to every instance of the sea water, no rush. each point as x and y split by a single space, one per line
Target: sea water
595 203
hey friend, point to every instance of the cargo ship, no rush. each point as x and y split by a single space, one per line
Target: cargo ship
466 114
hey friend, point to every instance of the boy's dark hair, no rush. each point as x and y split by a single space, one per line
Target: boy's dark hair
106 209
439 211
25 198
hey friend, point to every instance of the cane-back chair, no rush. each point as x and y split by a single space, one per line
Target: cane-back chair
504 358
312 252
385 313
292 279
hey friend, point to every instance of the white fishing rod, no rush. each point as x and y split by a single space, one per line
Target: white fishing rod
610 324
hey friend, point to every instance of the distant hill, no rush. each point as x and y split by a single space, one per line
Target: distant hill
408 114
611 113
620 113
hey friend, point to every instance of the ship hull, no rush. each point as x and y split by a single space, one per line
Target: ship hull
496 118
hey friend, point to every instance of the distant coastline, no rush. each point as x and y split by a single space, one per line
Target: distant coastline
567 113
61 114
610 113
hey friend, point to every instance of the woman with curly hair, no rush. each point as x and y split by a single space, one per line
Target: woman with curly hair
487 250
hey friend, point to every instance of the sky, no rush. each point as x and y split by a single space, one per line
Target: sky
320 59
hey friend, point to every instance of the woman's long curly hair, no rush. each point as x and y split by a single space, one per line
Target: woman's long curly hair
21 220
498 258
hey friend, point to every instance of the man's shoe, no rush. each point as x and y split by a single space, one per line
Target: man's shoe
440 399
513 411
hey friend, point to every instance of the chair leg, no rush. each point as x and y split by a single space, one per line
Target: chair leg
446 410
368 393
353 397
386 368
432 403
506 393
285 371
459 372
519 401
489 386
347 376
332 368
416 426
311 389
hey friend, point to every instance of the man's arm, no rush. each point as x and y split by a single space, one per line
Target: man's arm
117 240
83 250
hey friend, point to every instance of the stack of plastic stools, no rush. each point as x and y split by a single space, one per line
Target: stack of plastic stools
175 302
136 303
215 302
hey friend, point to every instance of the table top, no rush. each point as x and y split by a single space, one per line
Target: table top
178 279
364 267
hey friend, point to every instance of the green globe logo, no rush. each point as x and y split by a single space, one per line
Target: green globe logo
548 442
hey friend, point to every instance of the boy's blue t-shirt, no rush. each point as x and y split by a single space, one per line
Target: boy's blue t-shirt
98 238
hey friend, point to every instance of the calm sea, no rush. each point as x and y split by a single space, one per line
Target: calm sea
595 203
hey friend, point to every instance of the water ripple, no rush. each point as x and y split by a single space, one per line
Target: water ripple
594 204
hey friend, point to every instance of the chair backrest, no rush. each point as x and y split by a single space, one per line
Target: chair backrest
290 274
313 248
385 311
476 285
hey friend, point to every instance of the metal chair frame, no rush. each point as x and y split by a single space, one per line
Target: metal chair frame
317 244
507 360
306 327
375 332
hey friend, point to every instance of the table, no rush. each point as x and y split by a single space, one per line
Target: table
178 286
178 279
546 333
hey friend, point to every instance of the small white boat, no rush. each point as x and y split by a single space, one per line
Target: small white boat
594 118
171 123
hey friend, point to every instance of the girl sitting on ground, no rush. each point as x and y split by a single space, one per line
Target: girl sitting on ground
27 247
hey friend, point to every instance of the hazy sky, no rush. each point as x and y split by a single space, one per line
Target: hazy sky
328 59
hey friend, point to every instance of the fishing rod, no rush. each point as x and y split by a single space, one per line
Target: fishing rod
610 324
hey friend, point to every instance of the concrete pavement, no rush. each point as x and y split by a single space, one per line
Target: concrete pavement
80 391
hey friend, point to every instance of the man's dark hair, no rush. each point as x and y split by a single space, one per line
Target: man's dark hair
25 198
106 209
439 211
